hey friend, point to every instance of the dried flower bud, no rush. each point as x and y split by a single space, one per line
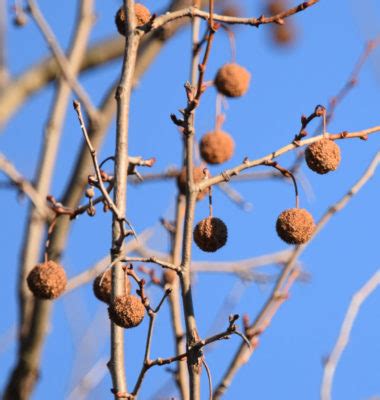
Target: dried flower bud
90 192
47 280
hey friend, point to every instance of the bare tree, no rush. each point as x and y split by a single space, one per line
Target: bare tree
131 262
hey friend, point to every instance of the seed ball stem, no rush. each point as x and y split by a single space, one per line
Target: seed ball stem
295 226
210 234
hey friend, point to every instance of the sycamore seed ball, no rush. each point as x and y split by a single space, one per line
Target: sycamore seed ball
232 80
198 176
126 311
210 234
47 280
295 226
102 286
169 277
217 147
142 17
323 156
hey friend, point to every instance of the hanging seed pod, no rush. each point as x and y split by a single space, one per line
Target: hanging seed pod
47 280
323 156
295 226
232 80
217 147
182 181
142 15
102 286
210 234
126 311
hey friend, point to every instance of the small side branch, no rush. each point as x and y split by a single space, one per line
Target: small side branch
345 332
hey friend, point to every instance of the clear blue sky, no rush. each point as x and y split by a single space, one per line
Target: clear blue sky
286 83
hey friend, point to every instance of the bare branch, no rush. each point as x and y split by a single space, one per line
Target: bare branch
344 336
62 61
192 12
25 187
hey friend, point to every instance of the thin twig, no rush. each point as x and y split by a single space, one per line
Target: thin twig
344 336
225 176
192 12
62 61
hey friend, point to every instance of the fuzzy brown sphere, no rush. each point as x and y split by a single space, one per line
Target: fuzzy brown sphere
323 156
276 7
102 286
232 80
283 34
142 17
210 234
295 226
217 147
198 176
169 277
126 311
47 280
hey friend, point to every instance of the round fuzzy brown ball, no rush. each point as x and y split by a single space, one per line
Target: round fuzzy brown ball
126 311
102 286
232 80
283 34
142 17
210 234
47 280
323 156
295 226
198 176
217 147
169 277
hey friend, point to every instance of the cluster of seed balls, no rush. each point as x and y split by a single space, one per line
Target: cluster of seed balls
296 225
126 311
217 147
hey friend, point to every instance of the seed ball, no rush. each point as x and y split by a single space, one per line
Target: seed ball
295 226
276 7
217 147
102 286
323 156
232 80
169 277
47 280
142 17
283 34
126 311
198 176
210 234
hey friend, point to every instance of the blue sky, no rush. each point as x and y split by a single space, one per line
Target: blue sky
286 83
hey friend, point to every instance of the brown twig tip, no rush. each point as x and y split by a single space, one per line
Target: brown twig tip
76 105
